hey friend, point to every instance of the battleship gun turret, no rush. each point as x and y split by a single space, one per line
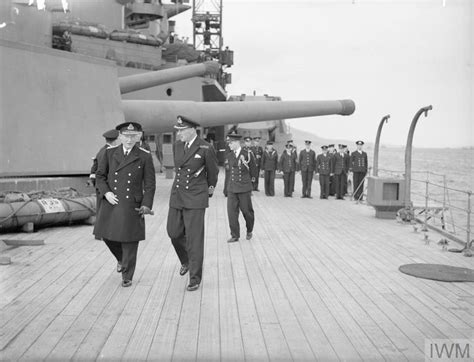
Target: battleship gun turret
160 116
136 82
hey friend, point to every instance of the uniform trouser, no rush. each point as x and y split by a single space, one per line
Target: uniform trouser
324 185
269 179
226 179
125 253
186 229
332 185
242 201
255 183
358 180
288 182
344 187
307 178
339 185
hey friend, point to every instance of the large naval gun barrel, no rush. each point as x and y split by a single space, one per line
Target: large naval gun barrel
136 82
160 116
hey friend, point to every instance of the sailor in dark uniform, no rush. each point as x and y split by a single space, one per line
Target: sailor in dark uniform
258 153
332 180
294 154
287 164
269 165
243 170
226 166
323 168
126 179
347 167
307 164
110 141
196 170
339 166
358 167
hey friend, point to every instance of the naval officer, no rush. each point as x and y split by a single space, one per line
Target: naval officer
126 179
196 171
307 163
323 167
269 166
359 167
287 164
258 153
339 166
243 171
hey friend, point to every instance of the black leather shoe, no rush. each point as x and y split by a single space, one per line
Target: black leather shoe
309 197
249 236
126 283
232 240
184 269
192 287
119 267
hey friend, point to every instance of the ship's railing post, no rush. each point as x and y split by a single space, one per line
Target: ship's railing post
468 228
425 227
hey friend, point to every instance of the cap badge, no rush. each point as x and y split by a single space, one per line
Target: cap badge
130 127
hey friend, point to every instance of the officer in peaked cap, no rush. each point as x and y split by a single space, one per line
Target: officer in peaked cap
323 168
269 165
243 171
258 153
340 166
332 180
358 166
126 179
307 164
196 176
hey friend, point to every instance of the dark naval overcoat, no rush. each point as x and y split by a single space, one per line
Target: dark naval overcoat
196 170
132 180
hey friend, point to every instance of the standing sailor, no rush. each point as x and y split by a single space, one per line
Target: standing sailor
338 169
269 165
226 166
294 154
323 167
196 170
307 163
287 165
359 167
332 180
258 153
126 178
243 170
110 141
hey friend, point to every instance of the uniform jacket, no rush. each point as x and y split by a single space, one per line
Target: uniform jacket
270 161
287 162
324 164
307 160
258 153
359 162
340 163
196 170
132 180
242 169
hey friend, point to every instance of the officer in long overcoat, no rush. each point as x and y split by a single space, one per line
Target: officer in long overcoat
307 165
243 171
359 166
323 168
258 153
126 179
196 171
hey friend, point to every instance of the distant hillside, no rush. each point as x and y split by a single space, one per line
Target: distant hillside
299 136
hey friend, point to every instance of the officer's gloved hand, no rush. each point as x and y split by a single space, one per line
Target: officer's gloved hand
211 191
111 198
90 182
253 179
144 210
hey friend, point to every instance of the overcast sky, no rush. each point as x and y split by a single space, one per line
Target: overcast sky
389 56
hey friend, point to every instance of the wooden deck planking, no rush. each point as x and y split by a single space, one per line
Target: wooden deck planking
303 288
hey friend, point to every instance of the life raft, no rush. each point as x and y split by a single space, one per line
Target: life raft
81 28
132 36
45 210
